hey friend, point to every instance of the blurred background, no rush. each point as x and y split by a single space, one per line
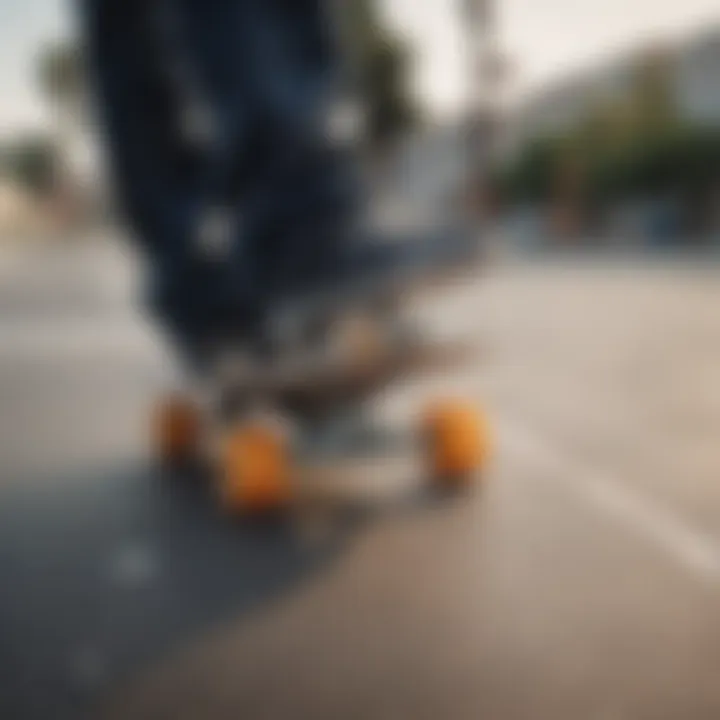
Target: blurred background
582 138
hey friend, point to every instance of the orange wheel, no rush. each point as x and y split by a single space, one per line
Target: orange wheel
255 471
457 441
177 430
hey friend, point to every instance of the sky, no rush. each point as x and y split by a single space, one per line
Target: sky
543 39
24 26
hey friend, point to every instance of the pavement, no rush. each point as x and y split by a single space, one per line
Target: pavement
580 579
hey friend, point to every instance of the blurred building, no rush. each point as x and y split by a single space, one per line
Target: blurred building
624 153
697 78
694 66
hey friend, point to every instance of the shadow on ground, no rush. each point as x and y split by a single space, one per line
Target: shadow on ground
103 575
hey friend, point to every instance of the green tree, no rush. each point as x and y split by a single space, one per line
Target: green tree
379 66
632 143
653 93
30 162
60 73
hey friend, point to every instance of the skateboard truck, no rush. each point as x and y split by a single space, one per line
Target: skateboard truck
267 460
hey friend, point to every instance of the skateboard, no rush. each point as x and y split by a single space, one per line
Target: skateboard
280 431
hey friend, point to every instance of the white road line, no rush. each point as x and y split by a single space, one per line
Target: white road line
694 550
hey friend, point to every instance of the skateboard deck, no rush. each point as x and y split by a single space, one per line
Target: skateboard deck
349 371
332 353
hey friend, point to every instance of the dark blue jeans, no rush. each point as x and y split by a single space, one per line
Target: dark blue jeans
219 109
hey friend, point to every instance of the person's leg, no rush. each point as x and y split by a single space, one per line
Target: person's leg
263 73
162 166
269 70
299 191
138 107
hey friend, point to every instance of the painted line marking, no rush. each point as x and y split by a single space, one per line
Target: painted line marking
696 551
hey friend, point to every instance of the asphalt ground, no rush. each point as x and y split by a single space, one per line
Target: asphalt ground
579 580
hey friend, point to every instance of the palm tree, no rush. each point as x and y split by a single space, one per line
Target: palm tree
379 65
60 73
61 78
